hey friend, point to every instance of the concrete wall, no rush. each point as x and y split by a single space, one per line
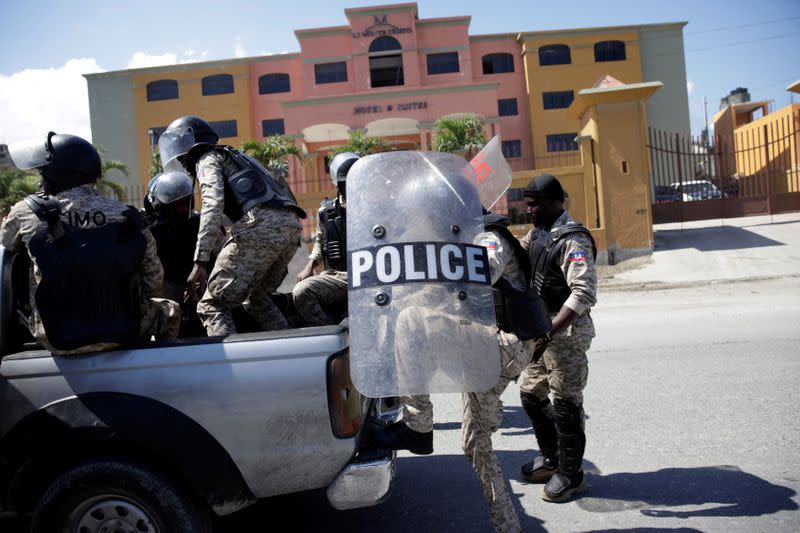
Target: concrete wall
113 121
663 59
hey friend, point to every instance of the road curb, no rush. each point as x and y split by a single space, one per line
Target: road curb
666 285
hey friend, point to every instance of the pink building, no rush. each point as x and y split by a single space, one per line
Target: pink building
392 75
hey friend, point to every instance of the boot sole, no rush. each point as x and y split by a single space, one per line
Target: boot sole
541 476
421 451
566 496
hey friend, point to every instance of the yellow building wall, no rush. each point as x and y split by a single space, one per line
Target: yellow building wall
235 106
582 73
782 159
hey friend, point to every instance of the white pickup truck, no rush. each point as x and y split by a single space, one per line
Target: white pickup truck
157 437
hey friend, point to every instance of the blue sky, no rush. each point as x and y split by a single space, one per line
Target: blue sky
46 45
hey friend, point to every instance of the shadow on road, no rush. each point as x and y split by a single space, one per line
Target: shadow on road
736 492
711 239
438 493
648 530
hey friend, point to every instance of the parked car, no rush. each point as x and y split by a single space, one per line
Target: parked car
158 437
696 190
665 194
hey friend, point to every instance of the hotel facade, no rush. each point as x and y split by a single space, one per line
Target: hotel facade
393 74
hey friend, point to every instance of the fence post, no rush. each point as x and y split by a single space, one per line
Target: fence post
680 171
766 166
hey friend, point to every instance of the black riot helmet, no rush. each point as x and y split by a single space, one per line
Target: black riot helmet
188 136
340 166
64 161
165 189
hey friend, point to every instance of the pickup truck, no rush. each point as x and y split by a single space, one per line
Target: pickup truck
160 436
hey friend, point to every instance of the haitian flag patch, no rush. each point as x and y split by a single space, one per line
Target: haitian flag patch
577 257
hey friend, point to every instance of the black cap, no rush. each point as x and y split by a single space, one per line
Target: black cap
544 186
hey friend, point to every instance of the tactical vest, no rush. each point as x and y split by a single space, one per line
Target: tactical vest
90 290
176 246
545 250
333 218
520 312
253 185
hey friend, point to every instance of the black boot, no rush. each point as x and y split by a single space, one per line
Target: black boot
571 444
398 436
543 467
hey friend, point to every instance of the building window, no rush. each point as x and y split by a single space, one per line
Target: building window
330 72
225 128
512 149
162 90
272 127
274 83
609 51
561 142
558 99
498 63
554 54
442 63
385 62
507 107
217 84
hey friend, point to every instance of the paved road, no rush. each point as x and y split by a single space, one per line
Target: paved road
693 426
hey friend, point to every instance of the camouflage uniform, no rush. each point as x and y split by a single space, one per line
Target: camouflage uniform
326 289
252 263
563 369
82 207
483 411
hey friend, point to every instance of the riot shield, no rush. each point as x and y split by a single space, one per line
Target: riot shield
491 173
421 312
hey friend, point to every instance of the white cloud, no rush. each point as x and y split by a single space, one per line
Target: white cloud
35 101
143 60
238 48
690 86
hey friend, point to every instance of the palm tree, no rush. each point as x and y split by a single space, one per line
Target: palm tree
104 185
155 164
273 153
462 135
15 185
362 145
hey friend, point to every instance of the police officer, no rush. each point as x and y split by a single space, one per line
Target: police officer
562 254
265 233
175 227
329 289
96 279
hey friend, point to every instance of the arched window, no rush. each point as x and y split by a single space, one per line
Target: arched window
217 84
385 62
274 83
162 90
554 54
498 63
609 51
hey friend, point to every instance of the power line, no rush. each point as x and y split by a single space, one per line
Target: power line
751 41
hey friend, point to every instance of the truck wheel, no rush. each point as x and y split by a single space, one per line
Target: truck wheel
114 496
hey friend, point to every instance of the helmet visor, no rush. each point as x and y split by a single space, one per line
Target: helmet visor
26 155
171 187
174 143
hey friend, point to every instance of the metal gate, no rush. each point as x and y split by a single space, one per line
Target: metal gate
757 172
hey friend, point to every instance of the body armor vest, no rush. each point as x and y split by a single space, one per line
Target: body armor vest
332 217
520 312
545 251
90 291
176 246
253 185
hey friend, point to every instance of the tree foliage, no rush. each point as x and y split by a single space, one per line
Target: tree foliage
15 185
360 144
463 135
273 152
105 185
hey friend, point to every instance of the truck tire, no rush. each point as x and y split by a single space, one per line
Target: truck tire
114 495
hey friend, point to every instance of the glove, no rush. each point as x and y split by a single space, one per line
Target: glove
539 346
